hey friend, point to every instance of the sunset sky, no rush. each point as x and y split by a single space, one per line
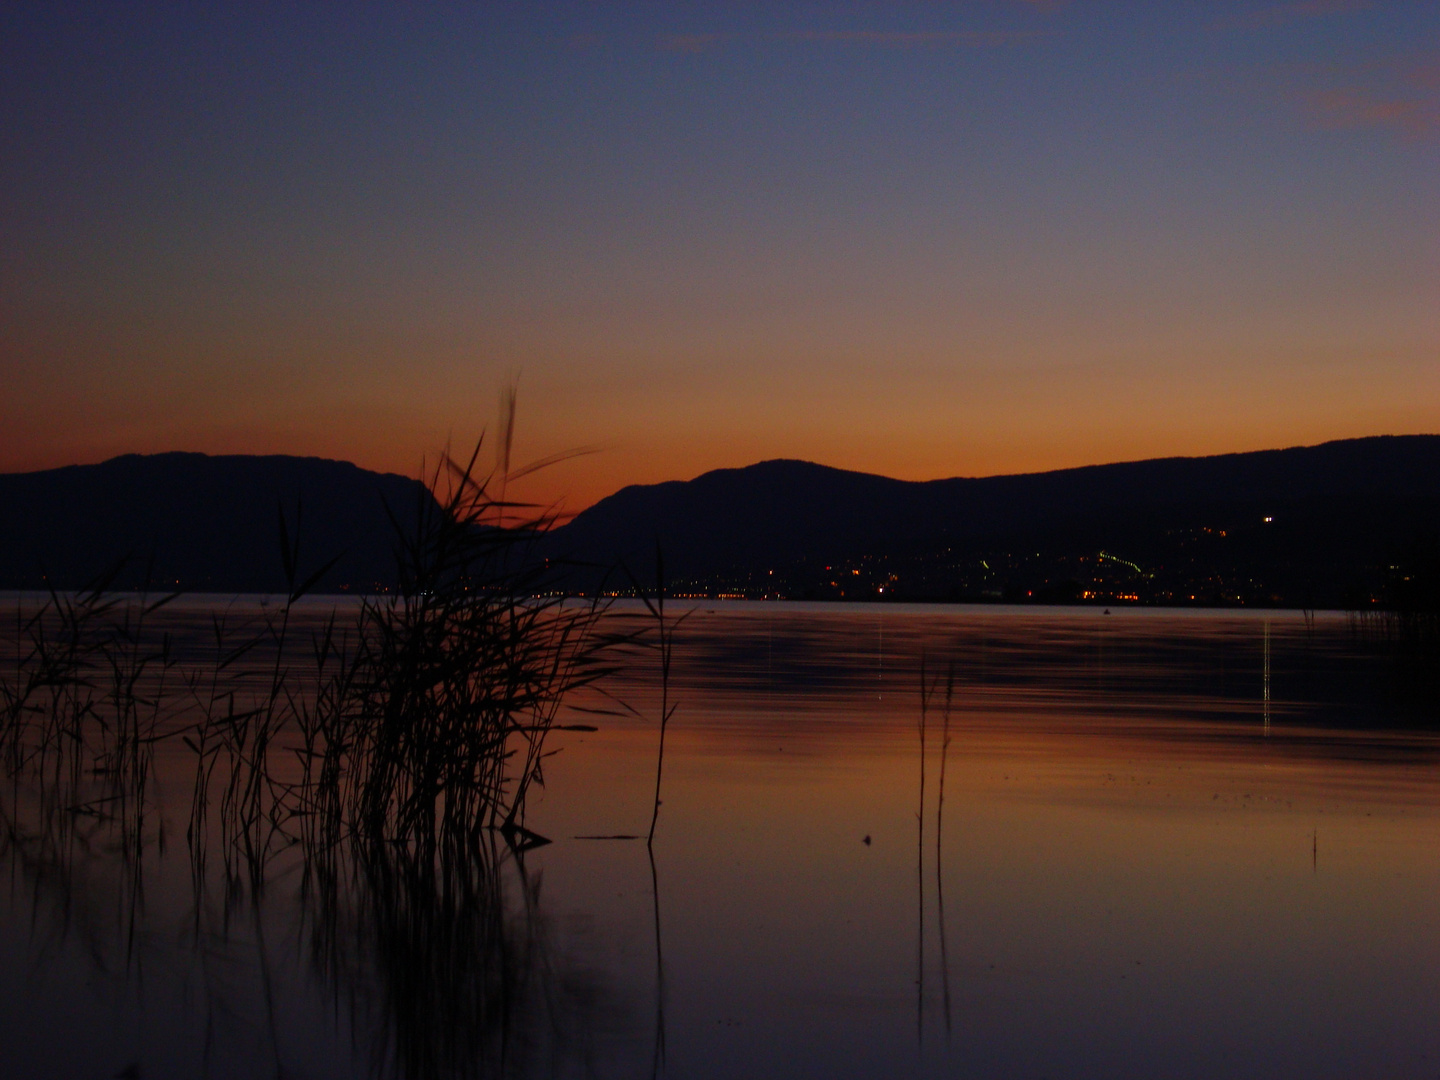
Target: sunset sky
921 239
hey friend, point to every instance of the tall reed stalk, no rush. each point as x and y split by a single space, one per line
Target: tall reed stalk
389 751
423 720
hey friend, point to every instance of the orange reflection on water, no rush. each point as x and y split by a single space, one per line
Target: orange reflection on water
1133 877
1145 864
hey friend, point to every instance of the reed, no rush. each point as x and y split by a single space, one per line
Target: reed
420 720
387 753
664 645
458 679
86 698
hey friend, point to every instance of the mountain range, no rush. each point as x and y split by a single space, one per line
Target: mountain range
1306 526
1302 526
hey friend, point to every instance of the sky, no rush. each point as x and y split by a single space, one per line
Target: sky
920 239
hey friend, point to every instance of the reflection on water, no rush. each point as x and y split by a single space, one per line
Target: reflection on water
1192 844
387 966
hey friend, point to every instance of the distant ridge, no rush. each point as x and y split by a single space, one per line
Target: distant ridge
199 522
1340 510
1306 526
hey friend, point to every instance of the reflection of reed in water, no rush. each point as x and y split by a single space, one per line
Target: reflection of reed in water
928 689
1404 626
657 1057
925 691
442 970
447 969
939 850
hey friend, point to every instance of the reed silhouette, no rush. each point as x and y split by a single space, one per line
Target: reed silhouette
663 643
386 753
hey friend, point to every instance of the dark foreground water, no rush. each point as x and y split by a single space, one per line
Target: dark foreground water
1170 845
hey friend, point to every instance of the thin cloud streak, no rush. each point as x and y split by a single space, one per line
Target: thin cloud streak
904 39
1398 94
892 39
1341 110
693 43
1282 14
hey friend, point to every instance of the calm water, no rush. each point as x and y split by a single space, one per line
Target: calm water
1171 844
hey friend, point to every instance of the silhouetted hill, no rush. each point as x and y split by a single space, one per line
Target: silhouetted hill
198 522
1170 528
1174 530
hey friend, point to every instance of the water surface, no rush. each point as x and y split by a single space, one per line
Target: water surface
1171 844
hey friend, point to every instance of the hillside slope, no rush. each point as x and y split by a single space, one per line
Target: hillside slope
1338 511
197 522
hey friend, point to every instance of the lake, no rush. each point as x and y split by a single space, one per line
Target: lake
1147 843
